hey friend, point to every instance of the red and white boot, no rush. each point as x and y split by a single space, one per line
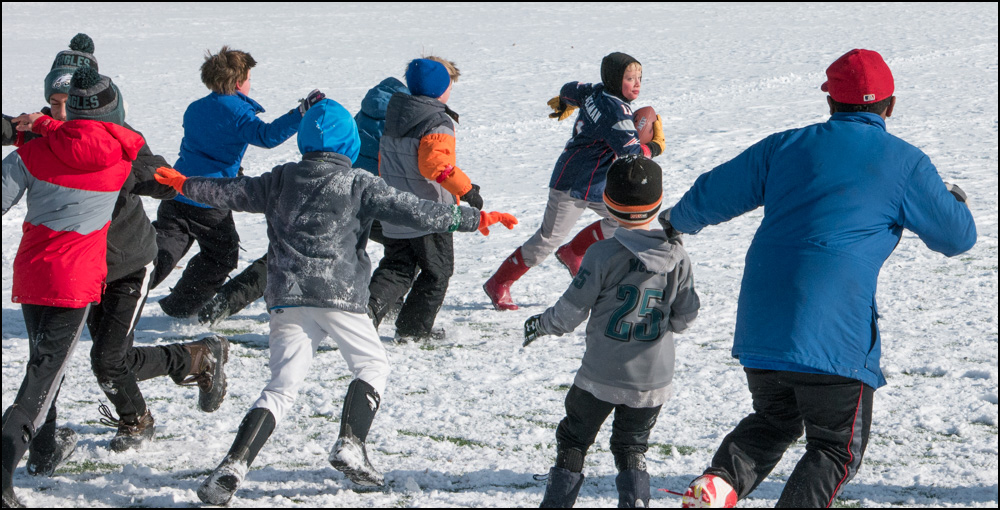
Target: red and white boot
498 286
709 491
571 253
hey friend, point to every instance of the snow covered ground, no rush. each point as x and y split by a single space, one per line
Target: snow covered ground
467 421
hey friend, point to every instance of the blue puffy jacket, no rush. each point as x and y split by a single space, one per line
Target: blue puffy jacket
217 130
371 121
836 199
603 131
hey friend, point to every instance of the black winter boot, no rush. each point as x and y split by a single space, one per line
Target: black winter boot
237 293
17 433
633 488
220 486
562 488
349 455
50 449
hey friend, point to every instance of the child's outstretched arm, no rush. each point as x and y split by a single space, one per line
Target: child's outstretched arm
15 180
255 131
247 194
572 308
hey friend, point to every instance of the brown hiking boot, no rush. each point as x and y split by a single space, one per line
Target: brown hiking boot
208 359
131 434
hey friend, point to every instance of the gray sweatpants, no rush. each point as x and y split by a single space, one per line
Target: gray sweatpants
561 213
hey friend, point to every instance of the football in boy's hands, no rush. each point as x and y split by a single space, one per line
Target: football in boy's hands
643 118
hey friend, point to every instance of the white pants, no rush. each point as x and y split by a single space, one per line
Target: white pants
295 336
561 213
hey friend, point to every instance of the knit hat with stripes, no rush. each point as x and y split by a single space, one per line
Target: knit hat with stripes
634 190
79 54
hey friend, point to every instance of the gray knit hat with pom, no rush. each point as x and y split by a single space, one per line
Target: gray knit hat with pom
79 54
94 97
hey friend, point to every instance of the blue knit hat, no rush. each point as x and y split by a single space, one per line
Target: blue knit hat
329 127
427 78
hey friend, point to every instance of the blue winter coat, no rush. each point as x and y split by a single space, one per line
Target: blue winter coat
603 131
836 199
371 121
217 130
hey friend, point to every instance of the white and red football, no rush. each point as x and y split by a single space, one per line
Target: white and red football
643 118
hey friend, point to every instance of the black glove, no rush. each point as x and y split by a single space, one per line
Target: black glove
472 197
956 192
314 97
532 329
672 233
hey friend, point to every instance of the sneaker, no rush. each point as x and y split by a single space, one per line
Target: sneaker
208 359
434 334
130 436
220 486
709 491
350 457
46 463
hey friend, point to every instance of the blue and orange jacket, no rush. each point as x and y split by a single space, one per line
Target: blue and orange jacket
72 177
603 132
217 130
837 196
371 121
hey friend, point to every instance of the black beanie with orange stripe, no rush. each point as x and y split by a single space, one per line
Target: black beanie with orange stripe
633 192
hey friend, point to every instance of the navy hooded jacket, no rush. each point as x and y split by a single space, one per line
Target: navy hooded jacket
836 197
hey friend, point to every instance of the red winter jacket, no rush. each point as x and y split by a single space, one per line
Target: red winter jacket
72 176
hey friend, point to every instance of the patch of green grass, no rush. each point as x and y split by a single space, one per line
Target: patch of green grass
89 467
667 449
417 392
537 423
194 474
840 503
561 387
459 441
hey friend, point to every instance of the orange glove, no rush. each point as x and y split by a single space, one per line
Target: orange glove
490 218
170 177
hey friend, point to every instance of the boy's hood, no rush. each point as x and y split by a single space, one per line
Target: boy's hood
377 99
90 145
407 111
652 248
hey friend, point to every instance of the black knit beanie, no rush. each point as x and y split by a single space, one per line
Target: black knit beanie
79 54
634 190
94 97
613 71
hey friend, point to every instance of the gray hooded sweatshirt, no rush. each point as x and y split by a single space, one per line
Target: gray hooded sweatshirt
638 289
319 212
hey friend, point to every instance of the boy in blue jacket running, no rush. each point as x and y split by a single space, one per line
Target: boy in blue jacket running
602 133
838 196
218 128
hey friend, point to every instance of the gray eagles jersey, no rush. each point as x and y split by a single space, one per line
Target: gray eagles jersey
638 290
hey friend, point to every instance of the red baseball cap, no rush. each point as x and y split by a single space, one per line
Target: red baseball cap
858 77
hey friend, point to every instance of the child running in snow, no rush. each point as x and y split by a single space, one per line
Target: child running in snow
318 213
218 128
417 154
603 132
638 289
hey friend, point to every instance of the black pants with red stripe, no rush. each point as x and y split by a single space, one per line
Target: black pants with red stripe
835 413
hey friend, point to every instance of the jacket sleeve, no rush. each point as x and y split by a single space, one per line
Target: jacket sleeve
436 160
574 93
943 223
15 180
576 303
246 194
256 132
9 133
686 303
725 192
387 204
143 169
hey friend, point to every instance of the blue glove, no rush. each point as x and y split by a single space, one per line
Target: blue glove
314 97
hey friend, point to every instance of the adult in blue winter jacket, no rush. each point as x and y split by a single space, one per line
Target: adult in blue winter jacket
836 197
218 128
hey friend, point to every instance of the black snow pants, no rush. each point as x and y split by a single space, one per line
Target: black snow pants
834 411
434 256
119 365
178 226
53 333
585 414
